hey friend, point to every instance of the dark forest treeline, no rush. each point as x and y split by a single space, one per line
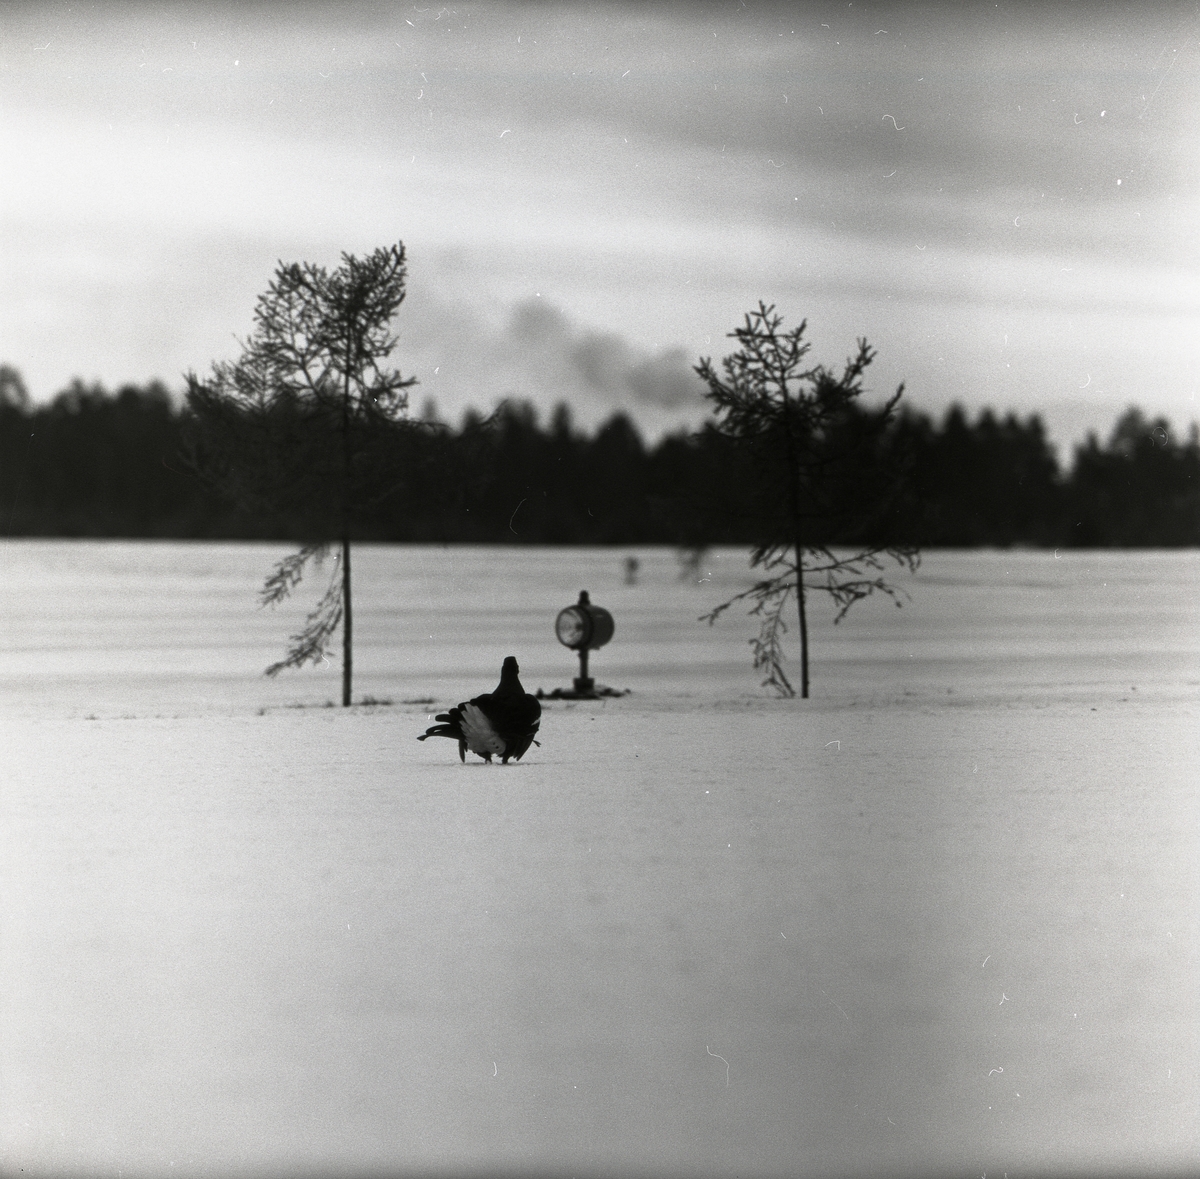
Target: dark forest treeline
97 464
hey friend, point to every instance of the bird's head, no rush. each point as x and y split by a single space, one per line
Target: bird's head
509 667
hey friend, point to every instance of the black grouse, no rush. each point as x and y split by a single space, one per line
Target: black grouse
503 722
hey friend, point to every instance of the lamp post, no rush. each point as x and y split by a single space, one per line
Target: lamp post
583 628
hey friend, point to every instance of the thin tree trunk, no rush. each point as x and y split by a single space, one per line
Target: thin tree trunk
803 622
347 612
347 624
793 460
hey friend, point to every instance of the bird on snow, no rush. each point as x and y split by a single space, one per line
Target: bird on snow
501 723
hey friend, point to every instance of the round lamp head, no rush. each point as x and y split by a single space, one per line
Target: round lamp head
573 626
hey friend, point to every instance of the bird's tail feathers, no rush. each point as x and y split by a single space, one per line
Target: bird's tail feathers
441 731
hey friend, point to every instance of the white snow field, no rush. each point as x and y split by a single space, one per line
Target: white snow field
943 918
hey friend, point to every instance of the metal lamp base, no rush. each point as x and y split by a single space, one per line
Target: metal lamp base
583 688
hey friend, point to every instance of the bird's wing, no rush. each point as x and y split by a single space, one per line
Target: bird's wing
517 745
479 732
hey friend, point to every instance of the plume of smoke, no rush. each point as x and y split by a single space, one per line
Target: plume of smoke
539 354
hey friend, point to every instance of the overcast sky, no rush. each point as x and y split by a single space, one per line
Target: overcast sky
1004 198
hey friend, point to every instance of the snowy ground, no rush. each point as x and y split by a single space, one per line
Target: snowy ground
942 918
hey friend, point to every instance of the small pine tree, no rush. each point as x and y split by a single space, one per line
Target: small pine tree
304 425
819 476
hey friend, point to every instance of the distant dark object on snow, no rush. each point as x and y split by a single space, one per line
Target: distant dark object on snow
503 722
691 558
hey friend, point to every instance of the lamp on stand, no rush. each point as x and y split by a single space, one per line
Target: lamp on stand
583 628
